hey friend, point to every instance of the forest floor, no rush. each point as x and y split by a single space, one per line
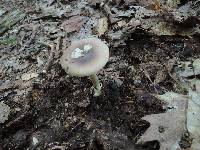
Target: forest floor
41 107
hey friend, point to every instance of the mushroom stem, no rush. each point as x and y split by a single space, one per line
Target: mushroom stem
96 84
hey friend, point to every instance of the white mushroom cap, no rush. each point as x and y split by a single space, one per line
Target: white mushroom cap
85 57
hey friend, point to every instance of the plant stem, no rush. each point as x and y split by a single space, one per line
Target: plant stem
96 84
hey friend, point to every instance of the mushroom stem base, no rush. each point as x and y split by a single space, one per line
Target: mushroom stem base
96 84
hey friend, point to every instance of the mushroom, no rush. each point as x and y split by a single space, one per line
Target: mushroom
85 58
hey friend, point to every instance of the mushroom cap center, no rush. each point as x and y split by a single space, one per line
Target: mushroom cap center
77 52
85 57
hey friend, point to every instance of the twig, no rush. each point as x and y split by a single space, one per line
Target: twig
148 77
64 44
58 43
51 57
58 147
21 41
17 119
53 52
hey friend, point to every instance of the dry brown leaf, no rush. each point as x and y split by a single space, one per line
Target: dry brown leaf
154 70
160 76
167 128
49 8
151 20
152 4
73 24
170 64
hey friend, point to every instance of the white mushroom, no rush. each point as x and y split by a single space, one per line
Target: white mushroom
85 58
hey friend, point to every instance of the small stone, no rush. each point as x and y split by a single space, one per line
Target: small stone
66 105
17 109
35 141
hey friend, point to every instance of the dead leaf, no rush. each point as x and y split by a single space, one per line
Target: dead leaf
173 3
152 4
189 68
11 84
160 76
167 128
170 64
49 8
73 24
152 20
4 112
154 70
193 113
184 12
29 76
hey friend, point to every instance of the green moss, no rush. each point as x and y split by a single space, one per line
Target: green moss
9 41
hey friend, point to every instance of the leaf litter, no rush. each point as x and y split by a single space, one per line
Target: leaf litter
51 105
182 113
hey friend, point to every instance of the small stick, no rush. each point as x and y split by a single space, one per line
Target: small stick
52 53
96 84
58 44
148 77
